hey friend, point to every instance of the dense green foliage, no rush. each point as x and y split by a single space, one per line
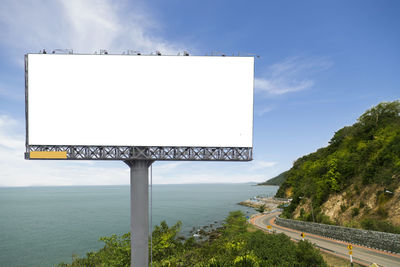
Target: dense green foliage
368 152
261 208
230 245
278 180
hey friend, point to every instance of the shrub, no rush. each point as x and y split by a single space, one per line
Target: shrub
261 208
307 255
302 212
355 212
382 226
382 212
322 218
356 189
367 224
343 207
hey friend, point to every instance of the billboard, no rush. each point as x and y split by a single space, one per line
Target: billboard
139 101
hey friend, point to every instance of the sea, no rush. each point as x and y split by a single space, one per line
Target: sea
44 226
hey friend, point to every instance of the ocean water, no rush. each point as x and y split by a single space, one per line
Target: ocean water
43 226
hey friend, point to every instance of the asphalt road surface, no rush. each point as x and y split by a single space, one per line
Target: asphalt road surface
361 255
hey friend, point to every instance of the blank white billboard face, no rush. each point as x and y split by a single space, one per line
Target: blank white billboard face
116 100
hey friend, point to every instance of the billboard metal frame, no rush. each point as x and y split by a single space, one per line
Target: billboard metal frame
148 153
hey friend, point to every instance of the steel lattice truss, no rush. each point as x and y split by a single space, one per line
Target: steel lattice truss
148 153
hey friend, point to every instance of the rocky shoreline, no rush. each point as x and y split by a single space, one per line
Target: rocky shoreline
270 203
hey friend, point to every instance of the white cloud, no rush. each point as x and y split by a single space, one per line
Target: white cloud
216 177
85 26
291 75
262 164
7 120
215 172
263 110
11 94
16 171
7 139
281 86
164 167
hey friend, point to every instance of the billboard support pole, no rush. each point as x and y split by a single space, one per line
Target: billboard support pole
139 170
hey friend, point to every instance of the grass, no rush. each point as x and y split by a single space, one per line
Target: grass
251 228
336 261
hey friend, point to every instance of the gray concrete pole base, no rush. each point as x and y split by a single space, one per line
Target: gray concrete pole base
139 212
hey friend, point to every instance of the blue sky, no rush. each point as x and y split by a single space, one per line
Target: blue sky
321 65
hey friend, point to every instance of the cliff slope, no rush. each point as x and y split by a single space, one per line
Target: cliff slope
355 180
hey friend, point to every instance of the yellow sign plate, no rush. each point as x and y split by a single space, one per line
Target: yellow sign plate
48 154
350 247
269 226
350 252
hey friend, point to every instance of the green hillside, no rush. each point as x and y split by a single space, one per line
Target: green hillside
278 180
355 180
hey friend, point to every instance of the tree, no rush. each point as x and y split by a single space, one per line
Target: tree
261 208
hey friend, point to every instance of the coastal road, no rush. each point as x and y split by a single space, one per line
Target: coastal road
361 255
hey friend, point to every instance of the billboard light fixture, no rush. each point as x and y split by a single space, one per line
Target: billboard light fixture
132 52
138 53
63 51
251 54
